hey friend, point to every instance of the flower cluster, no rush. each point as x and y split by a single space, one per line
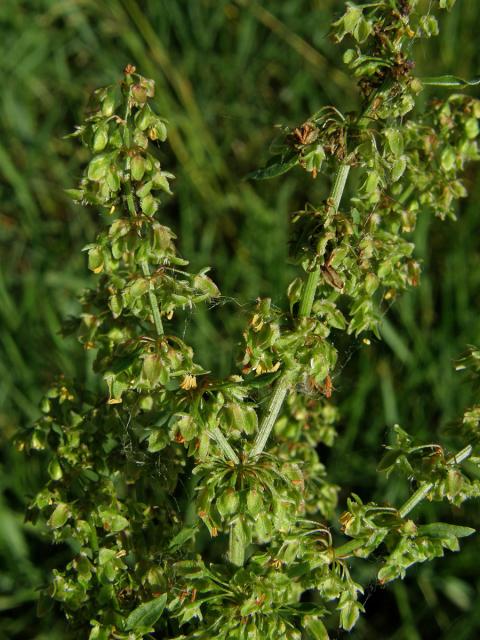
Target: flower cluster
200 508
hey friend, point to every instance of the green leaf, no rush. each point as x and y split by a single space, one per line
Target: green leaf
316 629
395 141
276 167
449 81
183 536
447 4
398 168
147 614
444 530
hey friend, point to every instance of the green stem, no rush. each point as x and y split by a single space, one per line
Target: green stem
314 276
424 489
280 390
270 416
157 319
222 442
309 293
420 494
349 547
236 547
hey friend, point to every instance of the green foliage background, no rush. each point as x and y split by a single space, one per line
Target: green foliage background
226 72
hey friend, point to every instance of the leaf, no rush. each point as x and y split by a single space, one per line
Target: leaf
276 167
398 168
395 141
449 81
316 629
444 530
147 614
113 521
447 4
183 536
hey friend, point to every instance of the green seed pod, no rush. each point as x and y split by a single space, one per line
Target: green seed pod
228 502
137 167
109 102
158 131
55 470
139 94
144 118
100 139
254 502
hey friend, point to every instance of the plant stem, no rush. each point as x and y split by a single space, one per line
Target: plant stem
270 416
280 390
222 442
419 495
349 547
425 488
314 276
157 319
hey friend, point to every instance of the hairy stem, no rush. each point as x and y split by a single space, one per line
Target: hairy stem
280 390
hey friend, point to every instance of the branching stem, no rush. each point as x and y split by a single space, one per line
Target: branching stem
420 494
425 487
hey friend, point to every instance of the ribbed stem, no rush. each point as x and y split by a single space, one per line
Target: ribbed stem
314 276
270 416
157 319
236 545
222 442
280 390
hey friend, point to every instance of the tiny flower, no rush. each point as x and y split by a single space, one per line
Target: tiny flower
189 382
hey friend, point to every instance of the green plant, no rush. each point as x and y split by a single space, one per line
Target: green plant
135 474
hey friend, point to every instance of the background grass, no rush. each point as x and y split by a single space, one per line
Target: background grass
226 72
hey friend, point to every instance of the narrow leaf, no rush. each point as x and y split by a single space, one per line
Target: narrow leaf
449 81
276 167
444 530
147 614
